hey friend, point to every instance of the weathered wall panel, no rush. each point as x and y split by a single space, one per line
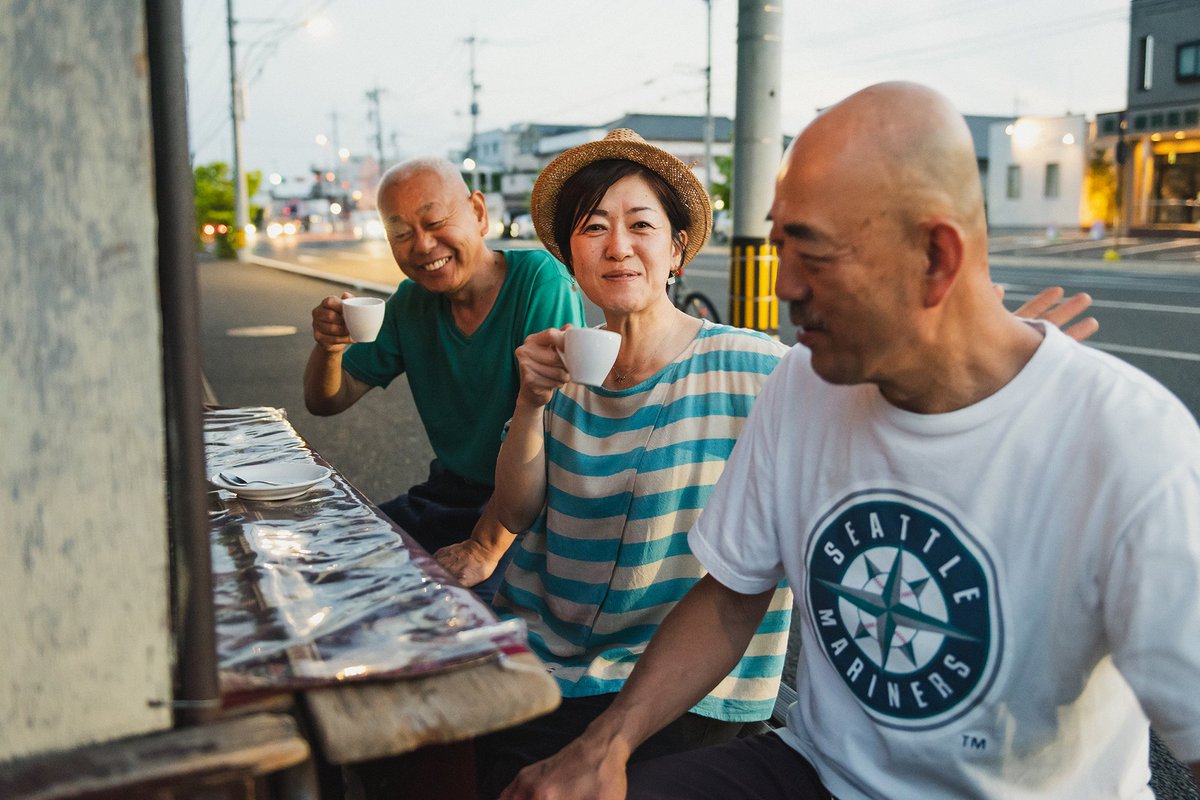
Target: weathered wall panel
84 641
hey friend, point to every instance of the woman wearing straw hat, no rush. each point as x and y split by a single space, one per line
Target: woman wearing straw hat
609 479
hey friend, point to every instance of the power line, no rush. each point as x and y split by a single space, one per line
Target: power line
994 39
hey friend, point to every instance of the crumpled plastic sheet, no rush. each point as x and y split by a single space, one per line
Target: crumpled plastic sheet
322 587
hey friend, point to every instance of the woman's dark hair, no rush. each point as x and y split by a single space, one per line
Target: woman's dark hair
584 190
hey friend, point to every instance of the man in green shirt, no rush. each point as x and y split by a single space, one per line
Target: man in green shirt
451 328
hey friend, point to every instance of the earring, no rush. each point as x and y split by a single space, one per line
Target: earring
671 278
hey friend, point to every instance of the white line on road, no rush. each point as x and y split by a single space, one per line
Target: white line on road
1129 306
1145 351
1150 248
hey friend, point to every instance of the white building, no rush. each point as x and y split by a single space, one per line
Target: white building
1036 169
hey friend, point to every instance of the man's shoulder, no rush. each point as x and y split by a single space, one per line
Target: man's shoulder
1105 379
535 263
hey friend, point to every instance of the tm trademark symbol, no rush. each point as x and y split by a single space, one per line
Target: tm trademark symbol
974 743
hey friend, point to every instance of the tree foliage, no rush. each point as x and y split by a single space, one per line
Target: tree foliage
213 186
723 179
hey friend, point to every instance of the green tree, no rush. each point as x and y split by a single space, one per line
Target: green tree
213 186
721 181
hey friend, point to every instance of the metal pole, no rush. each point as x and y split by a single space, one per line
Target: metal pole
197 693
708 117
757 148
474 117
241 203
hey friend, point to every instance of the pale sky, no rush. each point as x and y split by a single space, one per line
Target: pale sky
571 61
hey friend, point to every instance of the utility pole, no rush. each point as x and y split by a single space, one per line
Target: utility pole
337 151
472 41
374 115
708 117
757 147
241 203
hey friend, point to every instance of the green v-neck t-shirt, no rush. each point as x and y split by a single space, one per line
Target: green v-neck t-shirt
465 387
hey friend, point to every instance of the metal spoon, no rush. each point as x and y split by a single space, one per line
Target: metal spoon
238 480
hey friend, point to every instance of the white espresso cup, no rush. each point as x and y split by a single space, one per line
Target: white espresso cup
363 316
589 353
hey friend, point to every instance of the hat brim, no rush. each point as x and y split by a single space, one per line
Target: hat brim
544 200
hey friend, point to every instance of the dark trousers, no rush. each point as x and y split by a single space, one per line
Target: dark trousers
443 511
500 756
763 767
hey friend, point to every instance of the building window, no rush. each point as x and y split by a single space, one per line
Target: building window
1014 181
1187 62
1147 60
1051 180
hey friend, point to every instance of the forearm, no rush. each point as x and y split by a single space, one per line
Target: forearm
491 534
697 645
1196 773
326 390
521 470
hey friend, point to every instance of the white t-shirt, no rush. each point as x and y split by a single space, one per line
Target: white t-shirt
1048 582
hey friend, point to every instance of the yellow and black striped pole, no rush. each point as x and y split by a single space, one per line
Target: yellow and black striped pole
752 272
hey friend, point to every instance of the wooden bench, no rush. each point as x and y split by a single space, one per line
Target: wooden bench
234 753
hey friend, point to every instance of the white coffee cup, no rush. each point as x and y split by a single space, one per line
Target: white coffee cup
589 353
363 316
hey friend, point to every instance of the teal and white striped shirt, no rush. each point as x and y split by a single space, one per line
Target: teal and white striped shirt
628 473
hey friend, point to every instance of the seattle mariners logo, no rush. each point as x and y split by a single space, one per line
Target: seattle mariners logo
903 602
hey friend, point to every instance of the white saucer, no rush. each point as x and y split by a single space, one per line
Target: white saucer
293 480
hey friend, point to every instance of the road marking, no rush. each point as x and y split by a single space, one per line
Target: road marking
1150 248
256 331
1123 304
706 273
1145 351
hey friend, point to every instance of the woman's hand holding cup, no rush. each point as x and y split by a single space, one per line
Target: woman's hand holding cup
541 367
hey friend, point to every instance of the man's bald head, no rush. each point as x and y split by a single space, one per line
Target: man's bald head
910 143
420 166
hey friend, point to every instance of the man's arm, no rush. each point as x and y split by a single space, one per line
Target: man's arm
1196 773
696 646
329 389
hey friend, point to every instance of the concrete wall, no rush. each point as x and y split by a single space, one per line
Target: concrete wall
84 631
1035 142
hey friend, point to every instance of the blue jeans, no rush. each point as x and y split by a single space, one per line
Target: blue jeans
443 511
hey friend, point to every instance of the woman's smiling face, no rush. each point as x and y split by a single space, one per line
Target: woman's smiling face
623 252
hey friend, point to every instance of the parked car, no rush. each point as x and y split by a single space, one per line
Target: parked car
521 227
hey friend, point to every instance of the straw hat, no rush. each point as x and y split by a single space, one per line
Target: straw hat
624 144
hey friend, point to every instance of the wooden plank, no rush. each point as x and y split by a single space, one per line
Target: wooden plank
244 746
372 720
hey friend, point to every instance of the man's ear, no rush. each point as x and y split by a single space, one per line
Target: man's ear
943 260
479 206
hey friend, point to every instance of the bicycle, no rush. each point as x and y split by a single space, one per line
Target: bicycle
695 303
